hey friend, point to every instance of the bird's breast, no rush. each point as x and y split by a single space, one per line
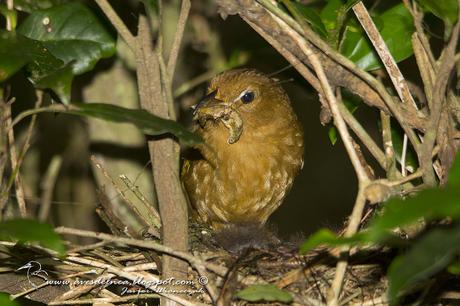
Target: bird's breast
246 181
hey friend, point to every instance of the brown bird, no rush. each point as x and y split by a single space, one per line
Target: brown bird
253 151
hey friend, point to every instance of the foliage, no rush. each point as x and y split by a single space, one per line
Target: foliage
28 230
344 33
54 45
268 293
6 301
433 252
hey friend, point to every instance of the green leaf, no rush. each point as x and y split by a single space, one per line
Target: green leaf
72 33
330 13
307 14
268 293
146 122
445 10
32 5
44 70
327 237
397 27
428 256
454 173
454 268
60 80
14 53
332 133
28 230
428 204
5 300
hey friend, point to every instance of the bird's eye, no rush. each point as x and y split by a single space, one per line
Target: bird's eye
248 97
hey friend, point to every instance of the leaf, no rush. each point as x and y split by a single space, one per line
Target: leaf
5 300
32 5
60 80
268 293
397 26
44 70
72 33
428 204
14 53
454 268
148 123
330 13
28 230
307 14
428 256
454 173
332 133
327 237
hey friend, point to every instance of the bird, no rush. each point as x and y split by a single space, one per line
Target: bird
253 149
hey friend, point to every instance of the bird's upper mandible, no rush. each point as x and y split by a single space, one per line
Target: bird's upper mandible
254 149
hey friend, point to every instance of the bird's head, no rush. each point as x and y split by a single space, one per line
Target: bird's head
239 98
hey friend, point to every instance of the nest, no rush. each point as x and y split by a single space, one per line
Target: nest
121 270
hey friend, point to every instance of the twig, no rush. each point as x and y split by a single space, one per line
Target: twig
108 300
48 187
403 156
172 59
390 156
353 225
363 179
219 270
407 117
15 164
117 23
363 135
327 90
446 64
382 50
153 216
149 280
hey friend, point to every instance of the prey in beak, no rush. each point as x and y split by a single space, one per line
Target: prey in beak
211 108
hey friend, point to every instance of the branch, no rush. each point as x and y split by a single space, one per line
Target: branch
219 270
117 23
327 90
172 59
395 74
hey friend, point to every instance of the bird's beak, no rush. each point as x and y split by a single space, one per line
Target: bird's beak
208 106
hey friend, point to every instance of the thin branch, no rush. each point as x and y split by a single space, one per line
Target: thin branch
291 58
219 270
47 185
390 157
117 23
362 134
149 280
395 74
327 90
108 300
446 64
407 117
373 33
183 16
341 268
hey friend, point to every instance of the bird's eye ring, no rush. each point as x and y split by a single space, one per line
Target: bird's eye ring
248 97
